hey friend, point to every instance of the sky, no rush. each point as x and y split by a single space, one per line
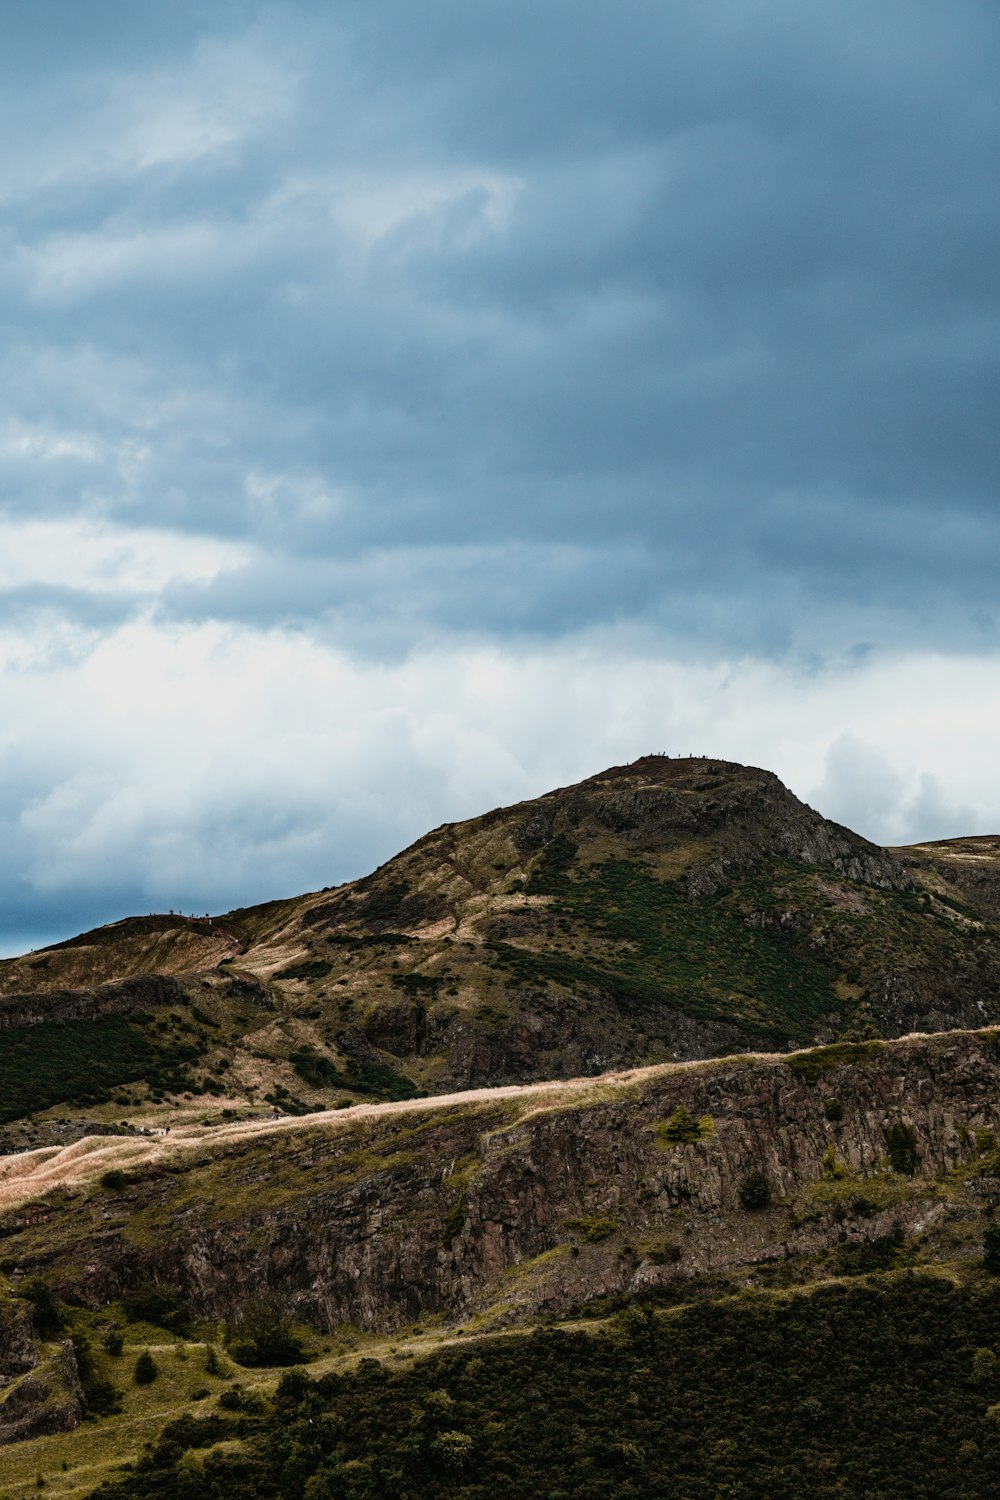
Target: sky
407 409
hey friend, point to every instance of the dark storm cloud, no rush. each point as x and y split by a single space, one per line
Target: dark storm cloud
518 318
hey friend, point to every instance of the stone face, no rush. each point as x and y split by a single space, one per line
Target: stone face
443 1210
40 1391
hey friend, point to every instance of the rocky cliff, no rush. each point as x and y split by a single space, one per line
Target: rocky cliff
544 1199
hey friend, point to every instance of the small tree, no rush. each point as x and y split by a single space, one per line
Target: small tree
755 1191
145 1369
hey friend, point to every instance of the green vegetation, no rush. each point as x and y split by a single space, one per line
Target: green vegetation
901 1145
78 1062
875 1388
152 1302
145 1371
991 1248
45 1312
812 1065
550 877
261 1336
593 1231
308 968
362 1075
755 1191
682 1129
453 1221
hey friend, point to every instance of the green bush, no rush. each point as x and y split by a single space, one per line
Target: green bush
755 1191
260 1336
46 1315
682 1129
145 1369
152 1303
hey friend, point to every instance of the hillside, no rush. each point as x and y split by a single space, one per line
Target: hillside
791 1200
663 910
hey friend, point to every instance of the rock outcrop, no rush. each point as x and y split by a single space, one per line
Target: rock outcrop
549 1198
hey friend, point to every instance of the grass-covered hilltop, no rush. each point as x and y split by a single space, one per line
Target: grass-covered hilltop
580 1150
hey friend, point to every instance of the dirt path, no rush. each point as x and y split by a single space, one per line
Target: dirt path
31 1174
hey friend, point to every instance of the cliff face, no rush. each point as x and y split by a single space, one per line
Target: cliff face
40 1390
551 1197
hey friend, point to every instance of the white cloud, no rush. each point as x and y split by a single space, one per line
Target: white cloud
87 555
207 766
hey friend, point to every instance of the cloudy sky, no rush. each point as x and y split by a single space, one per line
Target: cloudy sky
409 408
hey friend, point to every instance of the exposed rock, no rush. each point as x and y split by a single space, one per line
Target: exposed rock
432 1211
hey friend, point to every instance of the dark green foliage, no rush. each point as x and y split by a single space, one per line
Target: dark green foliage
362 1075
661 948
901 1144
991 1248
681 1129
102 1397
45 1313
194 1432
261 1336
833 1110
79 1061
309 968
316 1070
880 1254
417 984
550 877
114 1342
115 1180
755 1191
863 1390
237 1399
145 1369
155 1303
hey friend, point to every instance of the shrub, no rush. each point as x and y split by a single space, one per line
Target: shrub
145 1369
261 1336
115 1180
755 1191
682 1129
901 1144
161 1305
592 1231
48 1319
835 1170
113 1342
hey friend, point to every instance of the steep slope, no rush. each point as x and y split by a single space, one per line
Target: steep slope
664 909
671 1187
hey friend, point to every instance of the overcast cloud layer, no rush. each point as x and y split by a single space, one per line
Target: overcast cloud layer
407 408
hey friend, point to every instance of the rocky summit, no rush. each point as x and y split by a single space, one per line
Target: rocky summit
650 1061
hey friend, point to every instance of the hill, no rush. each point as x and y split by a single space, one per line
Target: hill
811 1223
663 910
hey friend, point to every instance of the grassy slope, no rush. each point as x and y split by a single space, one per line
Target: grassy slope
858 1386
691 1393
